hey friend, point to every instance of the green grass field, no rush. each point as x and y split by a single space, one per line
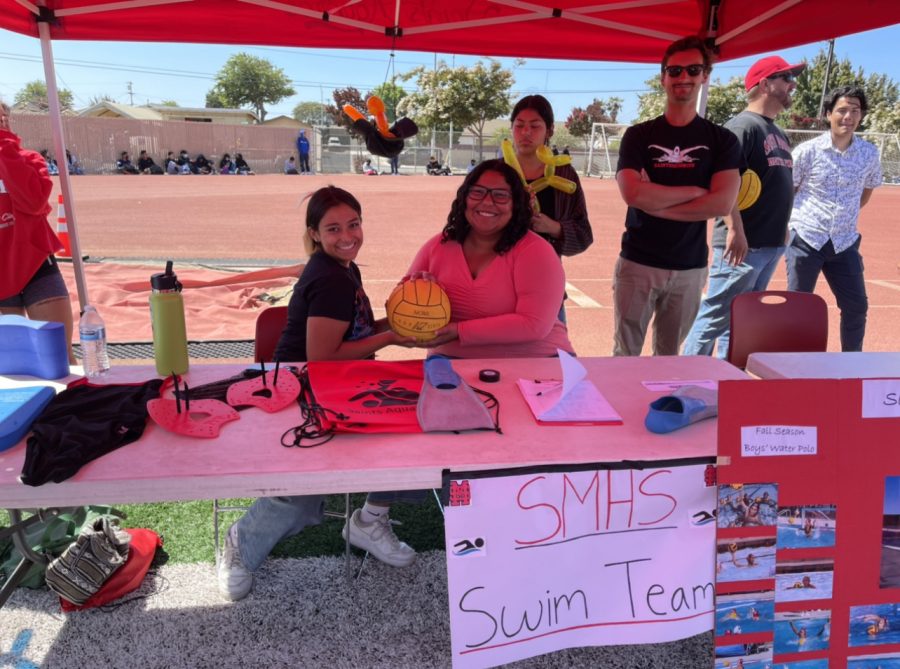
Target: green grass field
187 527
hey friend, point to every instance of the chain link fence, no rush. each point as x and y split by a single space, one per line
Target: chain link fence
341 152
98 142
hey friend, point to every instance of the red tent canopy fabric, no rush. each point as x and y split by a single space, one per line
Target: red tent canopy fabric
617 30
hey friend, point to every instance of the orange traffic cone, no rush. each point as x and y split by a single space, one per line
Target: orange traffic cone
62 230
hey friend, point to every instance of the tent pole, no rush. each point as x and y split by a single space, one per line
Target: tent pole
59 148
703 98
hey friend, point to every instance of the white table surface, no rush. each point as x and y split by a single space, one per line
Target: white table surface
247 460
857 365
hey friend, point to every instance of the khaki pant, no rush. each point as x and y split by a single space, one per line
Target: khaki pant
672 297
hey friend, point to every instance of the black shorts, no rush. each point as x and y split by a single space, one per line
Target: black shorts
47 283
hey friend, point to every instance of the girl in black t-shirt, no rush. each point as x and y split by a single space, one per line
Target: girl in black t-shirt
329 318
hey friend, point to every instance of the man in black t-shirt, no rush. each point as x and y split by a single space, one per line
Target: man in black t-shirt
748 243
146 165
674 172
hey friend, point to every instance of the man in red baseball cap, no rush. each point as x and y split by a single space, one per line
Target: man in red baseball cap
748 243
771 67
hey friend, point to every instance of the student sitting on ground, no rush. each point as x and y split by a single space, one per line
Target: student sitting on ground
226 165
290 166
146 165
202 165
184 163
52 167
171 164
124 165
368 170
74 164
434 168
241 166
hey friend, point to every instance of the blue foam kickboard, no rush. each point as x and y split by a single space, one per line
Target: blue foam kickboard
34 348
18 409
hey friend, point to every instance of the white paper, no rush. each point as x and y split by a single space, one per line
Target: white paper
881 398
573 372
574 399
760 441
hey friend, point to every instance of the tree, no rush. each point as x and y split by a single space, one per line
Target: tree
563 137
464 97
34 94
97 99
884 117
169 103
391 94
345 96
652 103
248 80
724 102
215 100
501 133
580 122
310 113
804 111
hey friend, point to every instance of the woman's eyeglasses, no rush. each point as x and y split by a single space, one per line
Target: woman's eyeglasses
675 71
498 195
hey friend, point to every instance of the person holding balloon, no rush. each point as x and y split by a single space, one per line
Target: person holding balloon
748 243
560 215
558 204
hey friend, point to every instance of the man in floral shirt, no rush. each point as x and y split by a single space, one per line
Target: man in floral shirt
834 175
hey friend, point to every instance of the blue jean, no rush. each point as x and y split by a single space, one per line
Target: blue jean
844 273
726 282
272 519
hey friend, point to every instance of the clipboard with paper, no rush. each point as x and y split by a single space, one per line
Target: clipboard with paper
574 400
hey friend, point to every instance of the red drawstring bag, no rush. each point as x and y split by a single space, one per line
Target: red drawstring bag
126 578
358 396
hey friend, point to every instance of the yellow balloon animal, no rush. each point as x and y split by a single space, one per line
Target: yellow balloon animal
549 180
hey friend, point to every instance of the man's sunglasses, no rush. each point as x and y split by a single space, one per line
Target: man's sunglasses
784 76
675 71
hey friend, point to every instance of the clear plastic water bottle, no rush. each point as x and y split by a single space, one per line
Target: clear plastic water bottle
92 332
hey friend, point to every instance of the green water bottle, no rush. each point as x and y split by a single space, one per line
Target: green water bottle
167 317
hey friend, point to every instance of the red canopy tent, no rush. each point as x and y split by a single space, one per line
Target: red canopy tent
616 30
619 30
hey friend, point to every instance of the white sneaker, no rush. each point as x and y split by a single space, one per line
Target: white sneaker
235 580
378 538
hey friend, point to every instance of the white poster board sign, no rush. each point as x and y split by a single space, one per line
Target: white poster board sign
546 561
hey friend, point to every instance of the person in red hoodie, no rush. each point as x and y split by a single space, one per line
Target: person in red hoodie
30 281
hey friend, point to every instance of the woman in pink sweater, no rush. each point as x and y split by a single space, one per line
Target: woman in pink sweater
505 283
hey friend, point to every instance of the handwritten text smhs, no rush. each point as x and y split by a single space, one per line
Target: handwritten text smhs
608 501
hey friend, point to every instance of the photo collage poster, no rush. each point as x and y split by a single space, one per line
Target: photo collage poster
808 525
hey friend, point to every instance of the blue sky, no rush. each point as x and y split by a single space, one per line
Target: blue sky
185 72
